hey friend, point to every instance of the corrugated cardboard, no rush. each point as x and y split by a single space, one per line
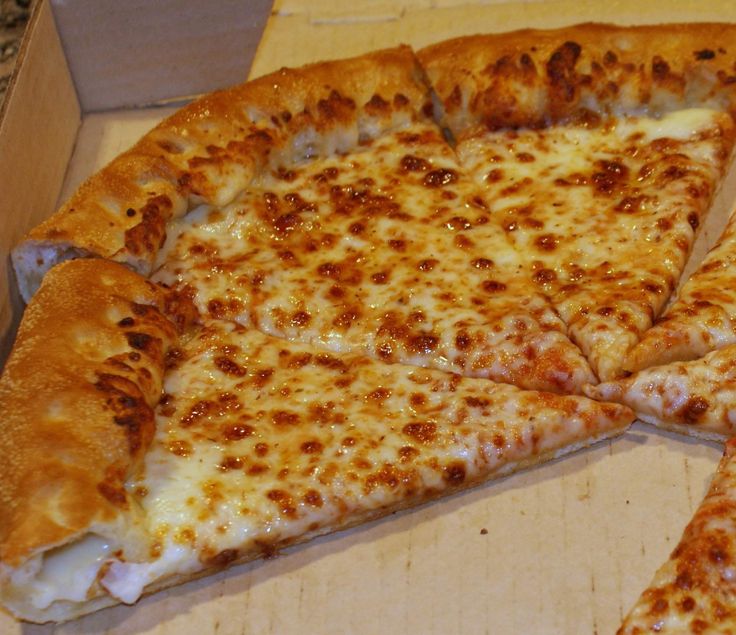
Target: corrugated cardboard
567 547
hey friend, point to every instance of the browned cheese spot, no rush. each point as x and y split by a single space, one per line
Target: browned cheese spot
199 410
229 367
114 494
610 177
284 501
379 394
421 431
694 408
313 498
312 447
180 447
418 399
380 278
454 473
561 71
423 344
693 219
494 176
285 418
440 178
544 276
482 263
478 402
411 163
704 54
546 242
230 463
407 453
462 341
237 431
493 286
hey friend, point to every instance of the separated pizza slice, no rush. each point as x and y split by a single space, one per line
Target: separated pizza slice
259 443
696 397
694 591
599 149
703 318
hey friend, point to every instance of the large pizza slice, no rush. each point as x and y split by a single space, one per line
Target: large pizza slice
599 149
109 491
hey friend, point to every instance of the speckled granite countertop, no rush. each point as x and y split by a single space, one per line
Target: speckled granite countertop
13 17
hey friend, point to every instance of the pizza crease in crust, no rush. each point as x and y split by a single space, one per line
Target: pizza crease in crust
343 290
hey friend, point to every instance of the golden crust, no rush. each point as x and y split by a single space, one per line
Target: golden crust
76 398
535 77
211 150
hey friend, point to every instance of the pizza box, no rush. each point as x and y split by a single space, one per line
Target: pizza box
563 548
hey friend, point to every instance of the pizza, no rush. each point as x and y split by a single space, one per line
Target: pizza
695 397
572 190
346 289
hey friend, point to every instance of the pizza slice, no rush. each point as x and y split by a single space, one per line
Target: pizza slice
703 318
257 443
328 210
600 149
696 397
693 592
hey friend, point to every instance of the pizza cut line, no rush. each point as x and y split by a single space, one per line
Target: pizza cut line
343 290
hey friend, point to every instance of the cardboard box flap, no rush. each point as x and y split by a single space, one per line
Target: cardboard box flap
39 124
109 44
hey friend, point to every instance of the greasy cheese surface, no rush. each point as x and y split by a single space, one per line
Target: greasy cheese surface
604 215
693 591
261 442
696 397
703 318
388 251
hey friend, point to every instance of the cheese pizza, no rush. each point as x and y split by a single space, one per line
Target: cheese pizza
696 397
342 290
601 167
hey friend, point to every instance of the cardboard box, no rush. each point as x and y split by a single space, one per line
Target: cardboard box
568 546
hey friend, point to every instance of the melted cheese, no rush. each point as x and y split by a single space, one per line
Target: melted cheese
604 217
261 442
388 251
63 575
